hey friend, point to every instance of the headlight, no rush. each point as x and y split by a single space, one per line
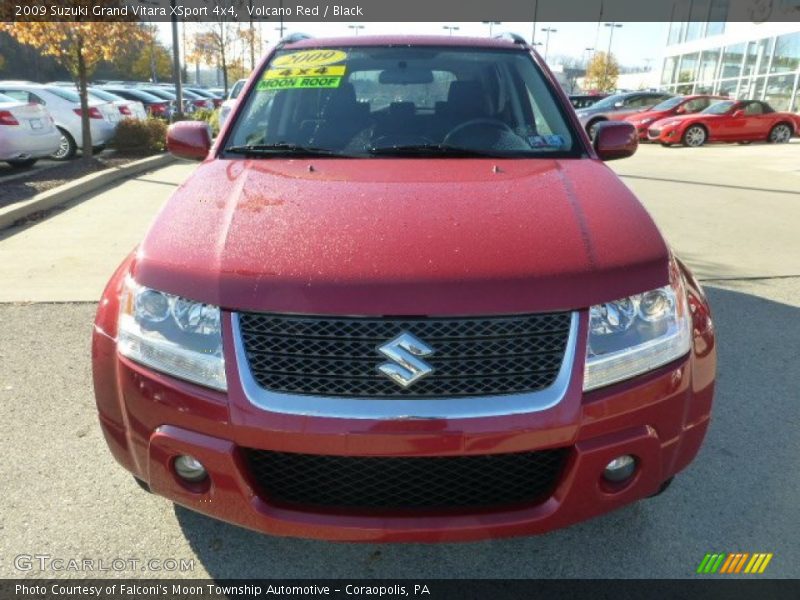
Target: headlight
634 335
173 335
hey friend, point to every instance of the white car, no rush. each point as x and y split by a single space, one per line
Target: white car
65 107
27 133
230 102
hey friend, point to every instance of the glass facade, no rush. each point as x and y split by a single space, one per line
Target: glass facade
763 69
697 19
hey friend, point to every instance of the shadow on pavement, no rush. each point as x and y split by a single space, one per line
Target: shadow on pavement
740 495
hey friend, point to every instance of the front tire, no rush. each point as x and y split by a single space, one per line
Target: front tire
694 136
780 134
67 148
26 163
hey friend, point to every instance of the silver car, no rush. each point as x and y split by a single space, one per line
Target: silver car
27 132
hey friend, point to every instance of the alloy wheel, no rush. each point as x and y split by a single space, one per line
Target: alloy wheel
695 136
780 134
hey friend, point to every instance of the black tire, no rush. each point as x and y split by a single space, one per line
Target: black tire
143 485
663 488
98 149
68 147
694 136
591 125
25 163
781 133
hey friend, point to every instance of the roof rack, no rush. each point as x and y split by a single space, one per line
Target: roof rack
514 37
292 38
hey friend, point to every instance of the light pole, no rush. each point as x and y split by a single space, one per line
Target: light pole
535 16
451 28
548 31
491 24
612 27
586 53
355 28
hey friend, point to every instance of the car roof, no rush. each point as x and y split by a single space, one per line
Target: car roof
403 40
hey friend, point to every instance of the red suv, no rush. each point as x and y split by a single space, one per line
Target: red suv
402 298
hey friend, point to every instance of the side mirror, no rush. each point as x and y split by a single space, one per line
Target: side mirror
189 139
680 110
738 113
615 139
619 104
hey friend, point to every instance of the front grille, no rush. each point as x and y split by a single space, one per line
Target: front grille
331 356
439 482
653 133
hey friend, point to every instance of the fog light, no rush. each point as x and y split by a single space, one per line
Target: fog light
620 469
190 469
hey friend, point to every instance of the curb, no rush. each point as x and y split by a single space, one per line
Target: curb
80 187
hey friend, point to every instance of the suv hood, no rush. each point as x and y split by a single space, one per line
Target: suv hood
403 237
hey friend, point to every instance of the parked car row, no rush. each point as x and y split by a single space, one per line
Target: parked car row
45 120
163 97
742 121
691 120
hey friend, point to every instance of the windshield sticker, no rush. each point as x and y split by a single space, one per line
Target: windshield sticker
332 71
284 83
310 58
546 141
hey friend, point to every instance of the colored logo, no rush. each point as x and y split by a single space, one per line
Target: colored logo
735 562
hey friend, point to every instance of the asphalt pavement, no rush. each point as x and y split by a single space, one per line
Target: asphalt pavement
731 211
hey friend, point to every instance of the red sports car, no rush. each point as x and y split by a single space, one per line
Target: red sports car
727 121
392 306
679 105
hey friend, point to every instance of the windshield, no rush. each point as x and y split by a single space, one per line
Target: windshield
609 102
237 88
667 104
107 96
64 94
160 93
719 108
403 101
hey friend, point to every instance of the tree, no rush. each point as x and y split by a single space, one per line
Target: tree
77 46
602 72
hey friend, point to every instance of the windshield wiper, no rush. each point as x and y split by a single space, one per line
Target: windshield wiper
280 148
429 150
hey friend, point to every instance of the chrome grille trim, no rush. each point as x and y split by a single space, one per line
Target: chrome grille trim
399 407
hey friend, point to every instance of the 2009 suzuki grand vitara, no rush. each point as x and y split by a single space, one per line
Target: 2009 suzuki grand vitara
402 298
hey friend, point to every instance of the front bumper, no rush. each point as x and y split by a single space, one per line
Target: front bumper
148 419
664 135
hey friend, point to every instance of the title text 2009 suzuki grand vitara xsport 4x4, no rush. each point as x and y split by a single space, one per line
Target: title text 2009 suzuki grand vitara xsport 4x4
402 298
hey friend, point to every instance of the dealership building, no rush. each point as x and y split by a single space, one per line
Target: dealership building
758 61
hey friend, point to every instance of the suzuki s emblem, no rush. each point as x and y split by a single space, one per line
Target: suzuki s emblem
405 367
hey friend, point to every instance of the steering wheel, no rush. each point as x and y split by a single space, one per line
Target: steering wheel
483 123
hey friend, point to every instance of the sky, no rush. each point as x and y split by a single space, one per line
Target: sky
634 44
